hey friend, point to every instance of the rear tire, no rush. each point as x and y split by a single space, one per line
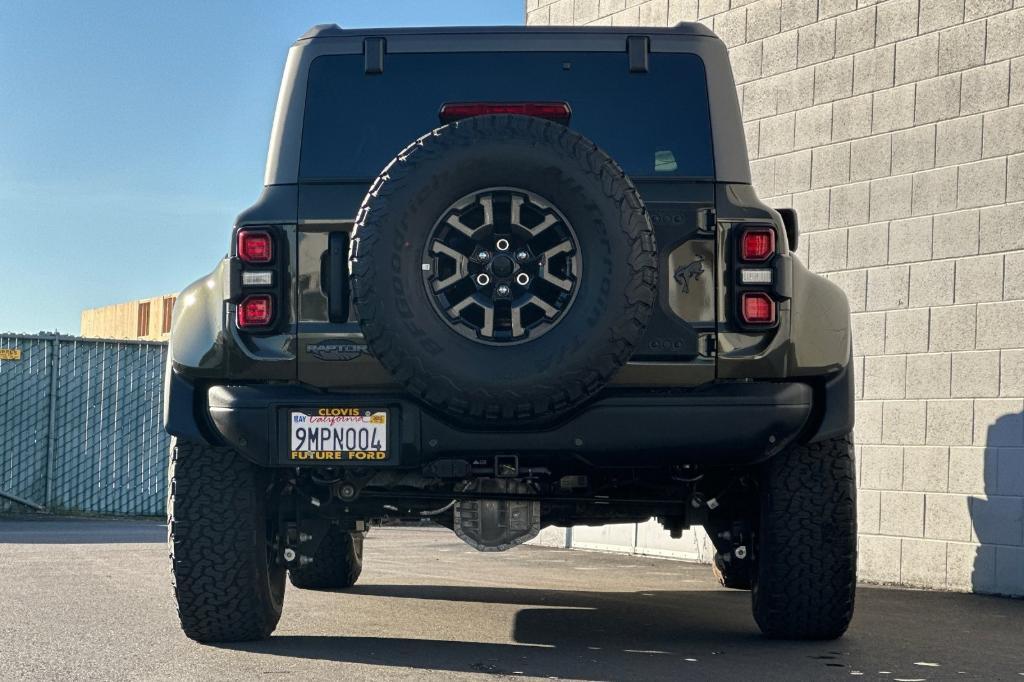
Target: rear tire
806 575
337 563
227 585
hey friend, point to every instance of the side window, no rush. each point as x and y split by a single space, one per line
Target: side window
142 324
165 323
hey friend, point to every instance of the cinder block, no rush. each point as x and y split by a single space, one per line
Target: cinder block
793 172
999 422
1010 471
906 331
562 13
763 19
998 520
955 234
874 70
1003 38
1015 178
878 559
813 209
888 288
902 514
681 10
539 17
586 11
891 197
972 470
937 99
707 8
913 149
816 42
952 327
1011 373
897 20
870 157
979 278
868 335
982 8
827 250
962 47
926 469
833 80
868 506
917 58
975 374
1004 132
903 422
855 31
985 88
796 13
762 174
947 517
881 467
923 563
958 141
778 53
936 14
868 245
868 430
1000 325
628 17
858 375
893 109
1009 571
854 285
1017 81
885 378
831 8
776 135
935 191
928 376
794 89
731 26
814 126
931 284
830 165
852 118
654 13
751 135
746 62
910 240
970 567
848 205
1013 282
950 422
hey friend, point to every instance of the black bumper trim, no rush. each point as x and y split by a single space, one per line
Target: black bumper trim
719 424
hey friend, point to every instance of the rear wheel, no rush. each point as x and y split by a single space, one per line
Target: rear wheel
337 563
806 574
227 582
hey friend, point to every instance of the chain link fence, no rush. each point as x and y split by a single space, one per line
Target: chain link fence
80 425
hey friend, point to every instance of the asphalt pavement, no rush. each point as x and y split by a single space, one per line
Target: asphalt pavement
90 599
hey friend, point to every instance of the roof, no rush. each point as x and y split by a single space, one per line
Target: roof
690 28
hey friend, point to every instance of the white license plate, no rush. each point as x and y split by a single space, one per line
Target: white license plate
338 435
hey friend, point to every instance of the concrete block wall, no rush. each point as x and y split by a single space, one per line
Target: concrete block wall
896 129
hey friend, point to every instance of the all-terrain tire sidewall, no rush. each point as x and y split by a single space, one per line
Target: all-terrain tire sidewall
805 581
225 587
593 337
337 563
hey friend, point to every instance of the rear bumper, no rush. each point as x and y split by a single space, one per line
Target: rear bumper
718 425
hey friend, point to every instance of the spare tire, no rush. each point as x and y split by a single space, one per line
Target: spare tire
503 268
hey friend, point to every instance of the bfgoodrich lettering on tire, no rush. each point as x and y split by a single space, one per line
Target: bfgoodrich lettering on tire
503 268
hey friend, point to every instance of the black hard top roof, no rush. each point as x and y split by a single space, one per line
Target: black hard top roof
690 28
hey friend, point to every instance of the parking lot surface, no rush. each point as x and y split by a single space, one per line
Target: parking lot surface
90 599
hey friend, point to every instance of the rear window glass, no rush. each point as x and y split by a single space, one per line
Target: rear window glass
653 124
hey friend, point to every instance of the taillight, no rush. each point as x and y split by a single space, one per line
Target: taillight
255 246
255 311
553 111
757 244
757 307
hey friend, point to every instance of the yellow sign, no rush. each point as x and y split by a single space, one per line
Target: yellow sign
10 354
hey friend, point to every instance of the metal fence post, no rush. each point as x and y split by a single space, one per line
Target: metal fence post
51 431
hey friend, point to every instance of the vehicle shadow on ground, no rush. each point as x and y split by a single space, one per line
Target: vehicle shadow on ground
670 634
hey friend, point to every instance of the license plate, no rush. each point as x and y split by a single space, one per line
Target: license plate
338 435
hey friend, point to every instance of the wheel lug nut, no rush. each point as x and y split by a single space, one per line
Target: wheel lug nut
522 255
522 279
483 279
482 254
502 290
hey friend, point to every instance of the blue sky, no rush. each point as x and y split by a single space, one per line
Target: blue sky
132 133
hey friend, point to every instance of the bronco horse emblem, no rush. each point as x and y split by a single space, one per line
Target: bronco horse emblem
684 273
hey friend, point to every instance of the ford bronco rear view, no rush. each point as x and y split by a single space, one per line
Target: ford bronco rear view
503 279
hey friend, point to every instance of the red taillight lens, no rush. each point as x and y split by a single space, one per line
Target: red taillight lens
255 311
757 245
255 246
553 111
758 308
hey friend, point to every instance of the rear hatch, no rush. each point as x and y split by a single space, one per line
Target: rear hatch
655 123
